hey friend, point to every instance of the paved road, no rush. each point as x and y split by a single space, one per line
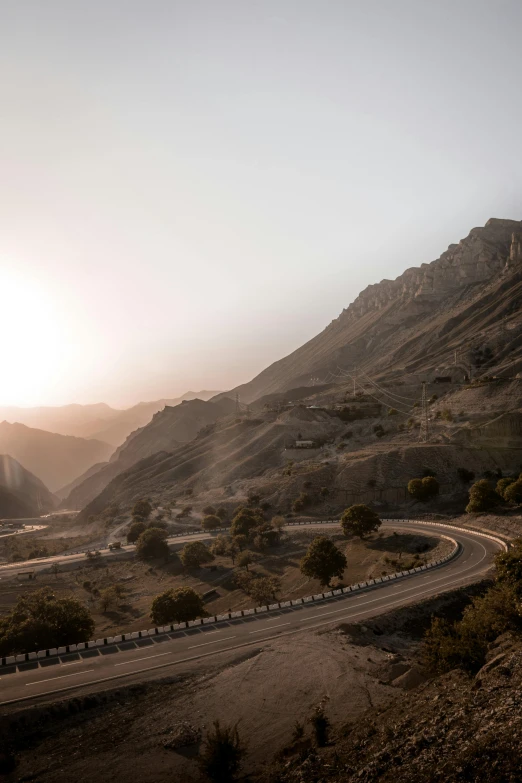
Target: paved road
142 656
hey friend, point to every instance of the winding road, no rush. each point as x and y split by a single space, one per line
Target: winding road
30 681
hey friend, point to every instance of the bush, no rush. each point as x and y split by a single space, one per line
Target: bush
135 531
222 513
513 493
222 754
177 606
108 597
447 415
195 554
508 566
423 489
41 620
323 561
320 725
464 643
482 497
301 502
209 511
152 543
392 412
502 485
360 520
211 522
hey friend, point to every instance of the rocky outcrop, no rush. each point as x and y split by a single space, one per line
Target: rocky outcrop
482 254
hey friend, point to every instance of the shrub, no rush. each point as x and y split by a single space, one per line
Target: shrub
222 513
194 554
301 502
211 522
360 520
320 725
222 753
177 606
245 559
502 485
108 597
152 543
482 497
423 489
447 415
513 493
323 561
465 643
508 566
41 620
392 412
209 511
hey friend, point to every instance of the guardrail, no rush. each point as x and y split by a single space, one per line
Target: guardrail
216 619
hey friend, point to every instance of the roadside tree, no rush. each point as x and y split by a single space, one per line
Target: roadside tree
152 543
177 606
41 620
142 509
323 561
423 489
211 522
482 497
360 520
195 554
135 531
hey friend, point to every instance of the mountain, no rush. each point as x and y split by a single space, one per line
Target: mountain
55 459
21 493
168 429
467 300
458 316
98 421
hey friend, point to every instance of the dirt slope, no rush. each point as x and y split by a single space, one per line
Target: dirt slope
21 493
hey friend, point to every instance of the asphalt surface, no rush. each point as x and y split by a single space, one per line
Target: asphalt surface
33 680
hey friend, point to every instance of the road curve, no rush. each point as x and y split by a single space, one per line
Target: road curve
99 666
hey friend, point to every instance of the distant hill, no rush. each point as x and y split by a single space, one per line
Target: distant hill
21 493
55 459
168 430
98 421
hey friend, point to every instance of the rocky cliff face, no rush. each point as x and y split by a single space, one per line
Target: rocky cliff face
482 254
416 322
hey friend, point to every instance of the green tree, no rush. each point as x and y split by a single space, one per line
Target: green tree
225 546
142 509
245 559
41 620
152 543
209 511
323 561
177 606
263 589
222 513
245 520
222 754
423 489
108 597
482 497
195 554
513 493
360 520
135 531
211 522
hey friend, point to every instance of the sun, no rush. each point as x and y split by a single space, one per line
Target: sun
30 340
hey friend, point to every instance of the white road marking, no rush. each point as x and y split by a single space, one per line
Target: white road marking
269 627
147 658
60 677
223 639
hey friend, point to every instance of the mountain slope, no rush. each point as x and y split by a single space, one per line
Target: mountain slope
21 493
55 459
417 321
168 429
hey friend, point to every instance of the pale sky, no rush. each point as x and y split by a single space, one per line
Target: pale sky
190 190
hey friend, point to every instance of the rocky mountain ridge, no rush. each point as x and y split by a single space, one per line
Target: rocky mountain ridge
21 493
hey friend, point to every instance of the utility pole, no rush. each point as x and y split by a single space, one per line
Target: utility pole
424 430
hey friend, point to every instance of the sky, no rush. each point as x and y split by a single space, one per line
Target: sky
190 190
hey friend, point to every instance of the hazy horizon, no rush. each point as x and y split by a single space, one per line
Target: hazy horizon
190 191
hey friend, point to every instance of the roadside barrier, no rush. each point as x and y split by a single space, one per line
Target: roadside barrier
161 630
